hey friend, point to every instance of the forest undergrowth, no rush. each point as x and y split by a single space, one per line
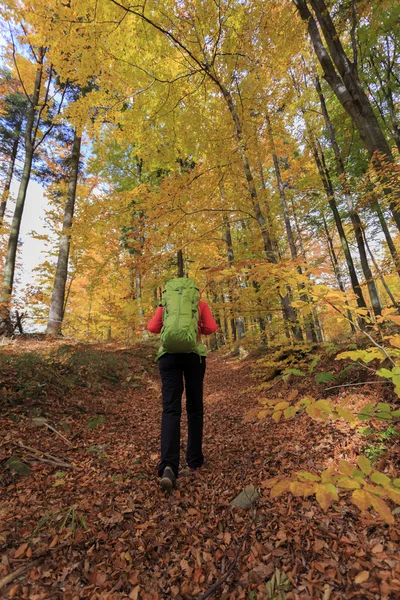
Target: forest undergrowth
82 515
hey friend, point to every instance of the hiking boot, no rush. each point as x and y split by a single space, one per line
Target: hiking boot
168 480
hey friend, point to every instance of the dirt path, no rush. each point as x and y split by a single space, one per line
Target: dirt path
142 544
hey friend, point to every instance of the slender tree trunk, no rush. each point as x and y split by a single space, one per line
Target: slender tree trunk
9 269
341 75
342 173
358 231
354 217
381 277
310 333
181 269
287 308
7 184
389 240
54 324
326 182
336 269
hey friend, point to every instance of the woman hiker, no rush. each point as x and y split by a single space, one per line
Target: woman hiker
181 319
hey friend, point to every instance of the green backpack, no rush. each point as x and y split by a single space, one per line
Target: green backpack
180 316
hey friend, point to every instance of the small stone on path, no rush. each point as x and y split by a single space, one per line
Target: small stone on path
246 498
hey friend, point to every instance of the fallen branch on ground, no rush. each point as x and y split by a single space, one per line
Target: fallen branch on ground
20 571
351 384
233 564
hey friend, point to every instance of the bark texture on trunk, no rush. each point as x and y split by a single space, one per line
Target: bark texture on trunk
327 183
354 217
9 268
57 304
180 262
336 269
341 75
310 332
287 308
9 176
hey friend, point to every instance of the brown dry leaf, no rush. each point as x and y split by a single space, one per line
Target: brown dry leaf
21 550
13 591
134 593
377 548
227 538
361 577
327 592
318 545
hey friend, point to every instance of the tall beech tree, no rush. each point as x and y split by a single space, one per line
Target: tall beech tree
342 76
57 305
14 106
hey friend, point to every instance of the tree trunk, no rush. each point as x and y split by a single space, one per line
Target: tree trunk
336 270
9 269
310 333
287 308
354 217
342 173
180 261
7 184
56 313
389 240
381 277
326 182
343 79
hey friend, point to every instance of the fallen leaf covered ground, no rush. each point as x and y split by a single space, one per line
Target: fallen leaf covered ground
98 527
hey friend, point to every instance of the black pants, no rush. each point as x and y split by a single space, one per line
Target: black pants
173 369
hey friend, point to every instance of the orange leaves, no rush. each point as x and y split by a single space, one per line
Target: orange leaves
19 553
325 494
364 465
346 468
361 499
327 485
382 509
361 577
280 488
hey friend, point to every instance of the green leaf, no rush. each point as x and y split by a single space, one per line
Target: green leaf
314 362
346 414
380 478
385 373
296 372
396 483
324 405
96 421
383 416
289 412
383 406
324 378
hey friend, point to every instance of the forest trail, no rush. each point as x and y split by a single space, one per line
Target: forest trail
141 544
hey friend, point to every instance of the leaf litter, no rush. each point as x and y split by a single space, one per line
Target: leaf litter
107 532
